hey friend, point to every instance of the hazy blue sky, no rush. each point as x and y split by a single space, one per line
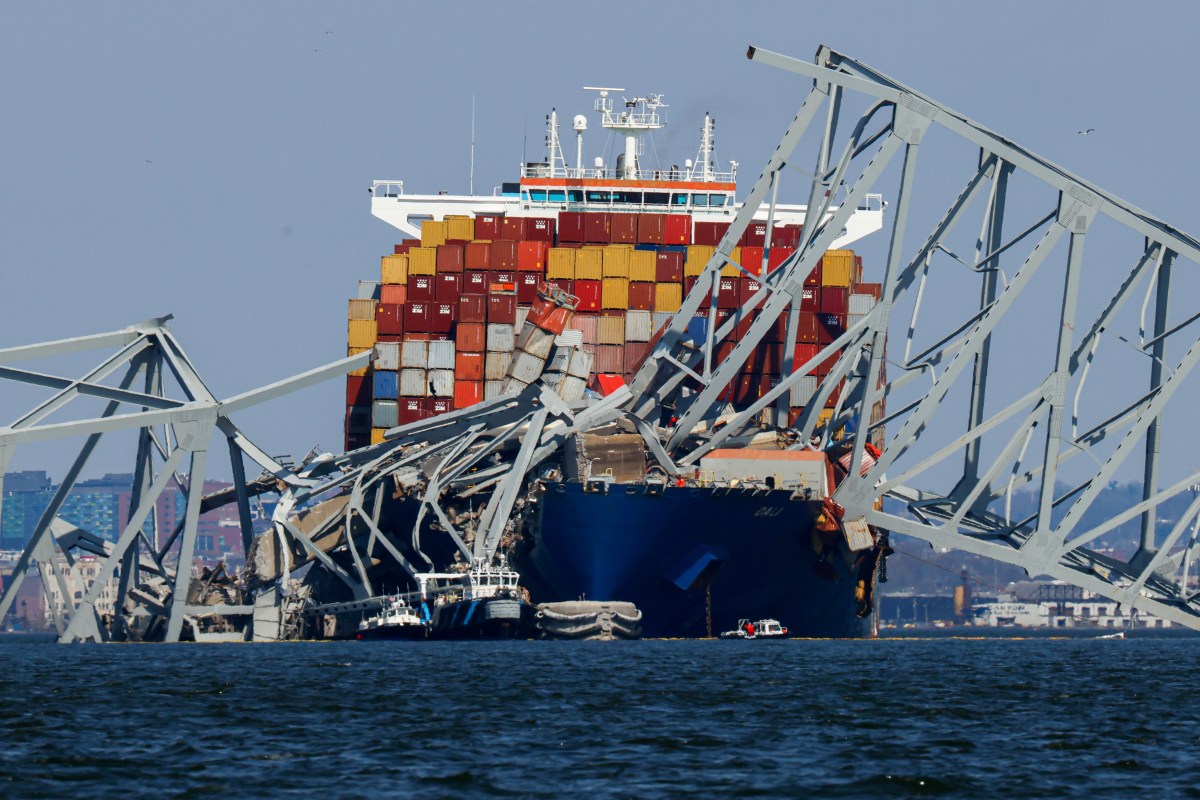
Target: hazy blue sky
212 160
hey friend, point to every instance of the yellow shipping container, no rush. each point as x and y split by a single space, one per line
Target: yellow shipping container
422 261
433 233
698 256
610 330
643 265
361 333
837 268
353 351
395 270
616 261
362 309
560 265
668 297
377 435
460 228
589 263
615 293
730 271
823 419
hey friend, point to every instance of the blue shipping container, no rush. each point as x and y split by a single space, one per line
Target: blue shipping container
385 385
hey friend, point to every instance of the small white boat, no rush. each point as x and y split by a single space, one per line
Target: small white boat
396 619
757 629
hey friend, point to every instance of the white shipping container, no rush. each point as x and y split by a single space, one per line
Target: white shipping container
369 290
580 365
522 316
413 383
559 359
492 389
387 355
535 341
569 337
526 367
441 382
853 319
414 354
802 391
571 389
385 414
552 379
495 366
638 326
861 303
500 337
661 320
512 386
441 355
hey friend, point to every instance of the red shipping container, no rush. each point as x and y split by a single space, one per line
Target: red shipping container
747 288
636 354
531 256
502 276
390 293
389 337
389 318
412 409
814 277
438 405
786 236
777 256
829 328
447 287
755 235
723 316
487 226
752 260
609 358
467 393
804 353
873 289
678 229
567 286
745 390
540 229
641 296
596 227
420 288
728 295
417 316
504 254
652 228
777 333
478 255
668 266
766 359
512 228
810 300
527 286
470 337
549 316
468 366
589 294
710 233
834 300
689 284
475 282
623 228
472 308
358 390
441 317
502 308
450 258
570 227
807 330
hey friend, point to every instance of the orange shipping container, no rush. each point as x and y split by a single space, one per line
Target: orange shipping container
531 256
467 393
390 293
468 366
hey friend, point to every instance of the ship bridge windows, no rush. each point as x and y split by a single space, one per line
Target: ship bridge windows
656 198
627 198
575 195
599 197
679 199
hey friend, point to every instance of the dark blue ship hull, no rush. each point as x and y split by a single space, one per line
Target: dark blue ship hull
756 551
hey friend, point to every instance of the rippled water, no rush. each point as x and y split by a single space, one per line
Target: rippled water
886 718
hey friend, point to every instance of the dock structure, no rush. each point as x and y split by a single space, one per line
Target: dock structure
1001 387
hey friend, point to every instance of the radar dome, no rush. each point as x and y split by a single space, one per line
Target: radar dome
579 123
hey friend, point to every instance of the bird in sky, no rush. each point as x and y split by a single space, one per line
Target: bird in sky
1085 133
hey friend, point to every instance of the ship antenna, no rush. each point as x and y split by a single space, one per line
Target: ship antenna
704 159
553 145
471 190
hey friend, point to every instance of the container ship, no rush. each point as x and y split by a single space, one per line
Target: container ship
747 533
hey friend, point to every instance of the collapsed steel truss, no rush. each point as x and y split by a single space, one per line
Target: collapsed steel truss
951 347
330 509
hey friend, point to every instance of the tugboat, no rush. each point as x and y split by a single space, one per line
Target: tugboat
395 620
759 629
485 602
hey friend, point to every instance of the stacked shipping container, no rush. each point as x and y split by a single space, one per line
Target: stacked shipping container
448 320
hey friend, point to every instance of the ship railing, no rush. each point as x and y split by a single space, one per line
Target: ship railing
387 188
611 173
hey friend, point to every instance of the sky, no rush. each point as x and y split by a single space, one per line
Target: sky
212 160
